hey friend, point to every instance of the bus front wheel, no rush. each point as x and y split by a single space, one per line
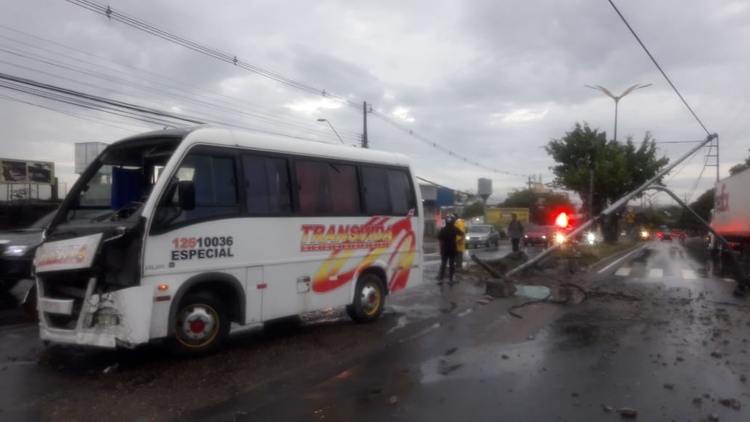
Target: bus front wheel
201 325
369 299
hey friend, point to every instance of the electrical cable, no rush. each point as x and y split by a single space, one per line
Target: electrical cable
637 38
244 103
228 58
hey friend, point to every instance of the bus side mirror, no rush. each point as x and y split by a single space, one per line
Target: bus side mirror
186 195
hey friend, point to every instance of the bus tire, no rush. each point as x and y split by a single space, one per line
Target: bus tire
369 299
201 324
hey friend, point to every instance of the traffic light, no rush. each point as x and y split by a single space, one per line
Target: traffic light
562 220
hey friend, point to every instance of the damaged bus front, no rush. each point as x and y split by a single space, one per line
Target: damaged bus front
88 268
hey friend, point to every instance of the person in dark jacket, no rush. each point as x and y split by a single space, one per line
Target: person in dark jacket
448 250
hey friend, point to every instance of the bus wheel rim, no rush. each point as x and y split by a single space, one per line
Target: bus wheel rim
370 298
198 325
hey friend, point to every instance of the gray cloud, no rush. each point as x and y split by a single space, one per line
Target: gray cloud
493 80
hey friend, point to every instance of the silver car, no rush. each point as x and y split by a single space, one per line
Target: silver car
482 235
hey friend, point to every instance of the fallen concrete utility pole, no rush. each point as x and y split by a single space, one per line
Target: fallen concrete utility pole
735 262
614 207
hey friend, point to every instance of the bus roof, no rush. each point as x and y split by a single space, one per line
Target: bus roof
216 135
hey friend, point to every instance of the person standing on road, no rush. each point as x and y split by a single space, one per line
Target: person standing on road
460 242
515 231
448 249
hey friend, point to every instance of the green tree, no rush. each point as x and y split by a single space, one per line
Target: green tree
619 167
474 210
702 206
740 167
542 206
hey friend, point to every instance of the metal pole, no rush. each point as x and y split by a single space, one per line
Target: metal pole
717 159
724 243
620 202
617 103
364 133
334 131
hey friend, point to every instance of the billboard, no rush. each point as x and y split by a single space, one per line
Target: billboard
26 172
501 216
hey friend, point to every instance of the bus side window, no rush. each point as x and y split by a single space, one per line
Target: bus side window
267 185
327 188
215 190
376 190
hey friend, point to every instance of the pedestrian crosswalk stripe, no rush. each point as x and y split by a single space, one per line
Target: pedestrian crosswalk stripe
656 273
623 271
688 275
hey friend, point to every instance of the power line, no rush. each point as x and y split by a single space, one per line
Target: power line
148 89
232 59
115 107
68 113
440 147
274 112
205 50
658 67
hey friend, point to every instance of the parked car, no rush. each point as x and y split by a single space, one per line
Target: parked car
482 235
17 248
539 236
666 235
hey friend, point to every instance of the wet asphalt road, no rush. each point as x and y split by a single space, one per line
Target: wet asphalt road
67 383
436 353
667 341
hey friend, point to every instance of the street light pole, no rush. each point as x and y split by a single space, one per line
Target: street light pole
334 130
617 98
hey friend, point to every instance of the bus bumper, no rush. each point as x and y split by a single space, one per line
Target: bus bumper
117 319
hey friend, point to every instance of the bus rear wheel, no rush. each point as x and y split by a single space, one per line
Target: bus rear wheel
201 324
369 299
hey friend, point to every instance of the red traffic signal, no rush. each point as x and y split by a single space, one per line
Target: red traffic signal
562 220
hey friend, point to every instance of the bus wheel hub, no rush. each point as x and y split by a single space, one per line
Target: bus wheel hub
198 323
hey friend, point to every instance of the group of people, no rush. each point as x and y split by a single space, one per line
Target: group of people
452 239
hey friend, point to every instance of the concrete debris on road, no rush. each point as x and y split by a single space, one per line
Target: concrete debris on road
713 417
731 402
743 378
393 400
607 409
697 401
716 354
499 288
506 357
627 412
669 386
483 301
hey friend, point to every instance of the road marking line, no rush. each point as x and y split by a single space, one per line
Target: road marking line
656 273
623 271
620 260
689 275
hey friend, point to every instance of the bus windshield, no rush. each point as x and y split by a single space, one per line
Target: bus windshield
123 180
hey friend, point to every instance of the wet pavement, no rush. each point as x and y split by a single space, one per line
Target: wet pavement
671 344
68 383
667 345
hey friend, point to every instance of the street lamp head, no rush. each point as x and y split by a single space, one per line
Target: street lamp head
322 120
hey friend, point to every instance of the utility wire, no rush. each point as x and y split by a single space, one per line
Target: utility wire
659 67
228 58
122 81
205 50
440 147
446 187
274 112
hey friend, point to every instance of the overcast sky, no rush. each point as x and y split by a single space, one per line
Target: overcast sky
492 80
